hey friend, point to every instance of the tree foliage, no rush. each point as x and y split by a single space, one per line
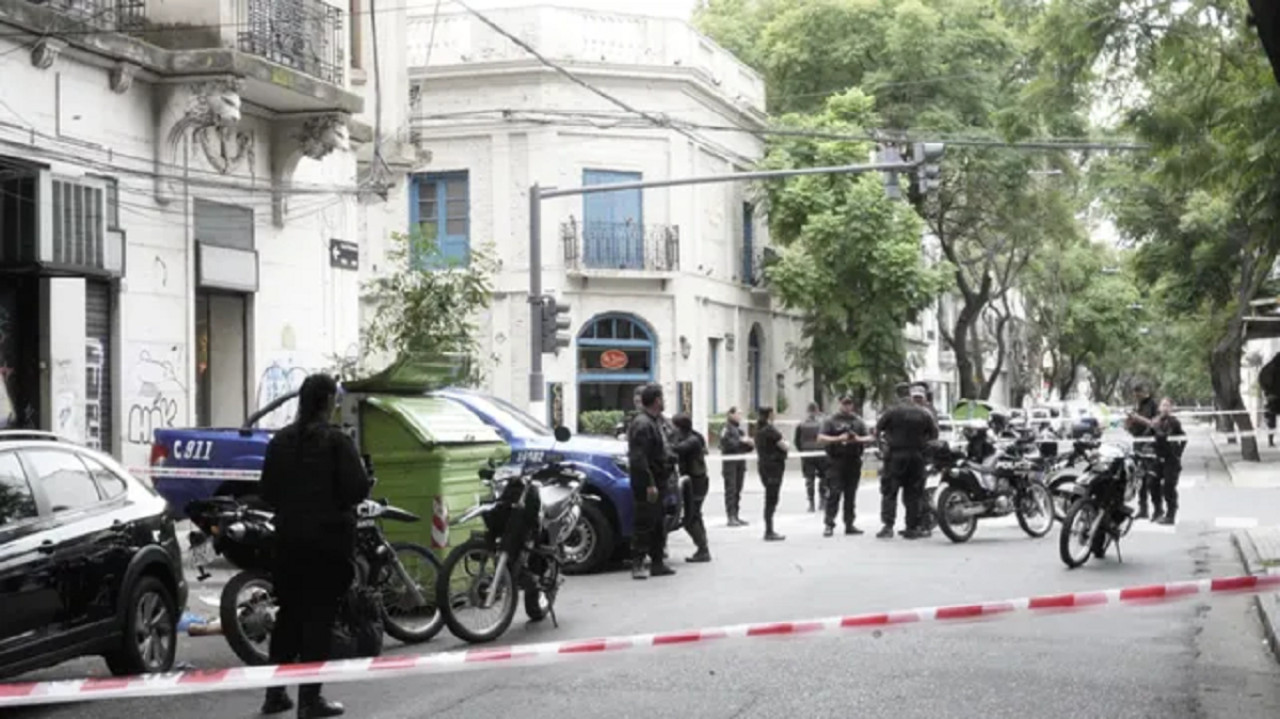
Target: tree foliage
944 68
850 257
427 307
1202 206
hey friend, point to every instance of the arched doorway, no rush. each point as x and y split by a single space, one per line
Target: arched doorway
755 342
616 353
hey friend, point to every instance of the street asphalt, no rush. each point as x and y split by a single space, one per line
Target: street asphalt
1200 658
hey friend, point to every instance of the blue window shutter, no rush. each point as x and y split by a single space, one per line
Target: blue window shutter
455 246
414 188
613 222
748 240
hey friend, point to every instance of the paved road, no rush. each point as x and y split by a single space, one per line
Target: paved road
1175 661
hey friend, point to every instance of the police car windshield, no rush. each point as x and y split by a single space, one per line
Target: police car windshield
510 417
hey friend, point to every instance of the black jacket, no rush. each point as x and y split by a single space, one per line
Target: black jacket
691 453
806 439
838 424
733 440
1165 428
773 458
648 453
313 477
907 428
1146 408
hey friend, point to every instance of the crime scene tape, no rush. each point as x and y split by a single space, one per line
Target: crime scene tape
395 666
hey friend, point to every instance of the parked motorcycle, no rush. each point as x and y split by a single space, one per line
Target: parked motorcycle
532 513
982 481
403 573
1100 515
1062 474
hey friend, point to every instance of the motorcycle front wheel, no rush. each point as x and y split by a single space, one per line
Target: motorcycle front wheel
1059 488
1077 540
463 586
1035 510
401 619
957 528
247 610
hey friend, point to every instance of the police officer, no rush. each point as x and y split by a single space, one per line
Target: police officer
691 453
1139 425
813 468
906 429
771 451
313 477
734 442
650 458
1170 442
843 436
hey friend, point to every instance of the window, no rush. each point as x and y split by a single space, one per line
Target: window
440 210
748 244
110 484
65 481
16 500
79 222
512 419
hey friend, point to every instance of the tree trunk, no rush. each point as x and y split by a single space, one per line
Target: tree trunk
1224 368
960 345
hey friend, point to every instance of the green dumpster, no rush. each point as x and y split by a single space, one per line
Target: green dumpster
426 453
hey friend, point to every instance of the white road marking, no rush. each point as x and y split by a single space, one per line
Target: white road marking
1235 522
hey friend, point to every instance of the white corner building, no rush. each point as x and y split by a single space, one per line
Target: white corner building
664 285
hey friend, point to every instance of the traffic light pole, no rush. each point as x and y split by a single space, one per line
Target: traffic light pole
537 383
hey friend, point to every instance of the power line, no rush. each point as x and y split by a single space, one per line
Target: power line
574 78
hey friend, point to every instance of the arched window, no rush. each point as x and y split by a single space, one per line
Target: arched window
616 353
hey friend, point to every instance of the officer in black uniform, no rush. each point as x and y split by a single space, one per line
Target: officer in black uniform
734 442
1139 425
843 435
905 429
651 463
814 469
691 453
313 477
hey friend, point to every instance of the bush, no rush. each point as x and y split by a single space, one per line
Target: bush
601 422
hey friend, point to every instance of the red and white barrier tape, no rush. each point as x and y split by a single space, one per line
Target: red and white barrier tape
389 667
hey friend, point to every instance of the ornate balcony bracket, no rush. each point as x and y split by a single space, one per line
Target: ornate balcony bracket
312 137
205 113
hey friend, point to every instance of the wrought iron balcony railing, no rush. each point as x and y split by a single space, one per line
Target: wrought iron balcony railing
620 246
107 15
305 35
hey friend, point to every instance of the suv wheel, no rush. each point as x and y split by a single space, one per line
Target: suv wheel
150 640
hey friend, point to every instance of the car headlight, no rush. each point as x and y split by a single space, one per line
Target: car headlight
621 462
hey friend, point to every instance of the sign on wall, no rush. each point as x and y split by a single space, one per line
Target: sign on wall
344 255
613 359
555 404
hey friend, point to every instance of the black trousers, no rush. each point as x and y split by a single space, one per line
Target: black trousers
815 470
693 524
902 472
309 580
735 477
650 535
1165 485
842 488
772 492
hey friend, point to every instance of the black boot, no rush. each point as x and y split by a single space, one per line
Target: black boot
1142 511
313 706
277 701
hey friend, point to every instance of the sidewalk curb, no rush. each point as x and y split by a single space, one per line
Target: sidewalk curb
1268 605
1231 473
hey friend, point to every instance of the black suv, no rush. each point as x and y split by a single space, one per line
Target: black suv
89 561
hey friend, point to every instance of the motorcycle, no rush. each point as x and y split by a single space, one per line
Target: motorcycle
1065 470
982 481
247 605
1101 515
531 514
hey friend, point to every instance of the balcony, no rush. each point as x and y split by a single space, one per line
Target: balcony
105 15
620 248
305 35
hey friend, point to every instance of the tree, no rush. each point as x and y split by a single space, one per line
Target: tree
850 257
1202 206
427 307
945 68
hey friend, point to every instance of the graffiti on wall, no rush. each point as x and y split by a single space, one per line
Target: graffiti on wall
158 393
282 376
68 409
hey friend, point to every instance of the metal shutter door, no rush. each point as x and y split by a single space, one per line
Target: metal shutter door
98 391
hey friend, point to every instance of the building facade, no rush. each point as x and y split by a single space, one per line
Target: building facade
180 214
664 285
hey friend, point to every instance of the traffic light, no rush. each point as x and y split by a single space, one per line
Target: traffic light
928 173
555 319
